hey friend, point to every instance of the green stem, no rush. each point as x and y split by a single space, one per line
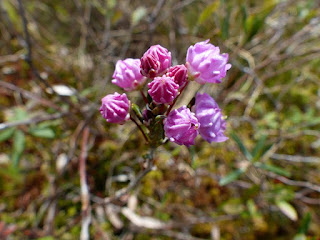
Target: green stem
141 130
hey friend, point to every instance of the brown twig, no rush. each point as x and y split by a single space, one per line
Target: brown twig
85 196
30 95
29 46
290 182
144 97
132 185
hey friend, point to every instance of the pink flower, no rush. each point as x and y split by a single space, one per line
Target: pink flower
209 115
206 64
163 90
127 74
155 61
181 126
115 108
180 74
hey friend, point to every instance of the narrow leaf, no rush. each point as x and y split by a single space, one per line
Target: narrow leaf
243 149
305 223
256 152
137 111
225 26
288 210
207 12
272 168
138 15
244 16
192 152
18 147
300 236
42 132
231 177
6 134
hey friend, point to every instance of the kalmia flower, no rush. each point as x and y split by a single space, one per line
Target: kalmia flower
181 126
155 61
127 74
212 125
115 108
206 64
180 74
163 89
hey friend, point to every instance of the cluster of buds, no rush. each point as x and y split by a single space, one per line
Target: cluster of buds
158 121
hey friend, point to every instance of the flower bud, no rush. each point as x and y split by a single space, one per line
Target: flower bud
155 61
163 90
179 73
115 108
181 126
206 64
127 74
209 115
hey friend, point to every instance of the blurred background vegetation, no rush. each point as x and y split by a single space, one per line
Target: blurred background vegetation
56 63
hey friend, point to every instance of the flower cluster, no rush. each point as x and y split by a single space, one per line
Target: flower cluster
204 64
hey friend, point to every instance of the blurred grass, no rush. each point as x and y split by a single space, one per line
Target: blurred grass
271 97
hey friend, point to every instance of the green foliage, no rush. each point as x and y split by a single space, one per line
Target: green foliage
234 175
19 142
6 134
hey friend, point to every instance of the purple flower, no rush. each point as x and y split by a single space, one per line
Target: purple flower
209 115
180 74
163 90
127 74
181 126
115 108
155 61
206 64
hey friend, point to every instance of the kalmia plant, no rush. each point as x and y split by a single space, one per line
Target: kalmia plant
159 121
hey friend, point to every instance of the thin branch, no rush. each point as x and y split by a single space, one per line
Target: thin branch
140 128
85 196
290 182
295 158
132 185
144 97
29 95
29 46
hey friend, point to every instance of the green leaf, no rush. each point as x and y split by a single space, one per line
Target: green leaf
233 206
42 132
243 149
288 210
192 151
300 236
256 152
18 147
272 168
207 12
137 15
20 114
305 223
6 134
231 177
225 26
46 238
254 23
252 208
244 16
137 110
